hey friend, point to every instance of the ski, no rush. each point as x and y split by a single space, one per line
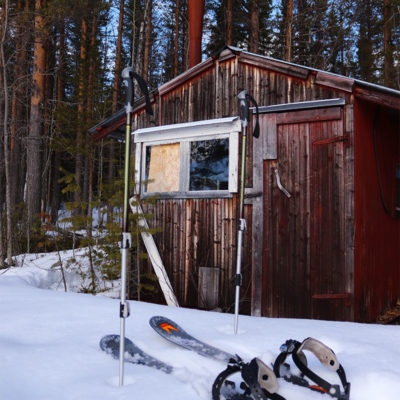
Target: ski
171 331
247 381
133 354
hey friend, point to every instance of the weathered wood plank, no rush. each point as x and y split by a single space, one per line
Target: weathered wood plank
257 228
349 209
273 65
334 81
269 136
312 115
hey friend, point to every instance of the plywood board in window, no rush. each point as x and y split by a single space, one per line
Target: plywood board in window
164 168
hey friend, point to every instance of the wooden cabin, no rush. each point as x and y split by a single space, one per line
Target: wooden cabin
332 249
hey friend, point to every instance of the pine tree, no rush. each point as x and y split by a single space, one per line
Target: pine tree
288 23
368 40
5 129
34 149
391 15
242 23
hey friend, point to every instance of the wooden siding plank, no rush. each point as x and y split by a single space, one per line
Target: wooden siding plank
334 81
274 65
269 136
257 227
378 97
349 209
327 228
296 117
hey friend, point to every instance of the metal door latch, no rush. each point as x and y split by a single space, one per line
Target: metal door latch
280 186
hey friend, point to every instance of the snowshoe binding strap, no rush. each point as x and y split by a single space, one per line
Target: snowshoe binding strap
327 358
259 382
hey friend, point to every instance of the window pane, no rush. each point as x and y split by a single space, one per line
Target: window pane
209 164
162 168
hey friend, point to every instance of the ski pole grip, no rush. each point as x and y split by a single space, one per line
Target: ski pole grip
243 106
127 74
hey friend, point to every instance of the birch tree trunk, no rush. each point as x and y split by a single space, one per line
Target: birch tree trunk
55 199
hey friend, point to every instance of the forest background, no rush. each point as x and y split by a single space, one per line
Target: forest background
60 74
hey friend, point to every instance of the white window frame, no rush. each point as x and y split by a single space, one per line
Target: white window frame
184 134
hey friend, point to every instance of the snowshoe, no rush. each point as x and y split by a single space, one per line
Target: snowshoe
327 358
247 381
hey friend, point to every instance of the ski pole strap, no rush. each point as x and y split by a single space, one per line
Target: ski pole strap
324 354
128 74
242 224
244 98
256 131
145 91
238 280
124 310
126 240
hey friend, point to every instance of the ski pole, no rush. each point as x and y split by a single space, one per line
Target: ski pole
243 97
128 74
126 240
244 116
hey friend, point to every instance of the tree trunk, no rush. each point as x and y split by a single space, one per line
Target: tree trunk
6 141
116 84
147 44
81 110
47 129
176 39
17 106
365 46
4 114
255 26
139 53
133 46
89 112
55 198
388 23
288 31
34 156
196 16
117 68
229 12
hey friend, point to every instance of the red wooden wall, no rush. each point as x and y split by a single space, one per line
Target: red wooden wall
377 235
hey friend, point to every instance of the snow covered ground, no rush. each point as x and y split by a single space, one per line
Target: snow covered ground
49 346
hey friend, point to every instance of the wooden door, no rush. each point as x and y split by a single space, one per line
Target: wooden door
303 208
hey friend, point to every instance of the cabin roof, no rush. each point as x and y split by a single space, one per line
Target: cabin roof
333 76
114 126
